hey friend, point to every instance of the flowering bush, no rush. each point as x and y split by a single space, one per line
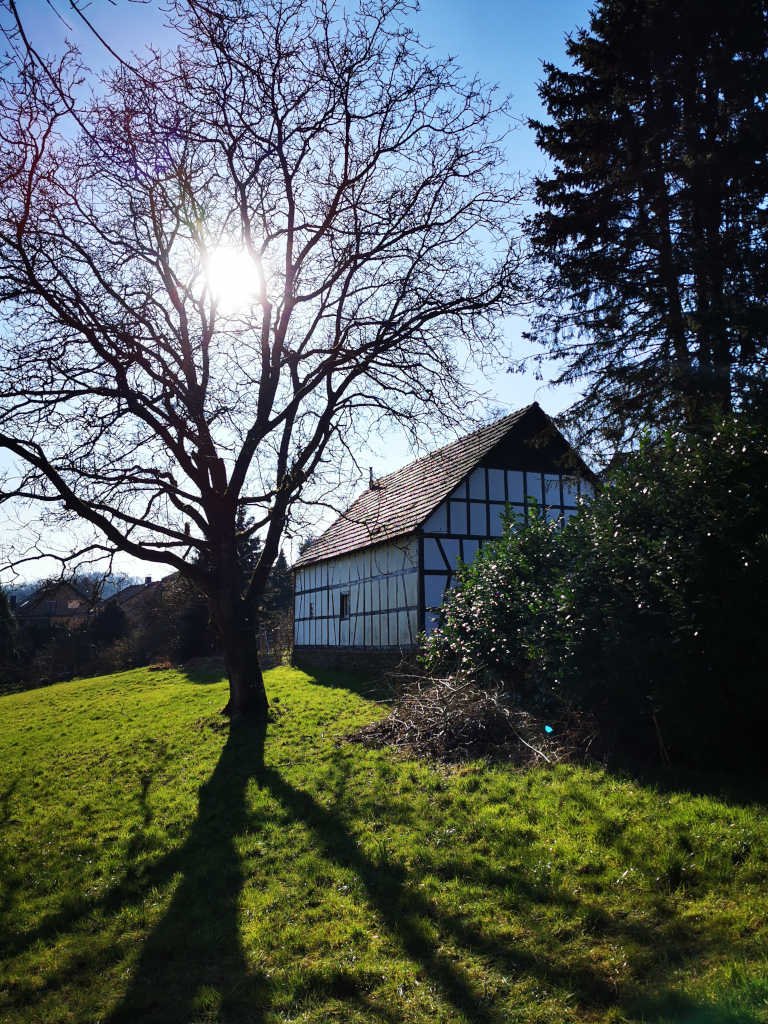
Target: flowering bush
496 620
649 609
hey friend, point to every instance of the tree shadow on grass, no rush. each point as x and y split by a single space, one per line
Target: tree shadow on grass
370 686
10 879
742 790
427 934
193 965
204 671
438 940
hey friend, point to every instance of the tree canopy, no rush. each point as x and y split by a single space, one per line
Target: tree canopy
221 264
651 226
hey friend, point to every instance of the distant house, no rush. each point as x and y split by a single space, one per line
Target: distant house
376 578
55 604
140 600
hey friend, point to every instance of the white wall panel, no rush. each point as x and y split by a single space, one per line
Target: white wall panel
433 558
402 628
394 640
478 518
433 590
381 584
458 517
477 484
515 485
533 488
551 489
570 490
413 625
497 526
452 549
470 549
438 521
496 485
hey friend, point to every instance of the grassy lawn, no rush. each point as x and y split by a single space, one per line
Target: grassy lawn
153 869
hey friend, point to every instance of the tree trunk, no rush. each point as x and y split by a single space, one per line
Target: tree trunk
237 632
247 694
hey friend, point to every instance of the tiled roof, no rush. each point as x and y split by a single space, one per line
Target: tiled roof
401 501
133 590
53 602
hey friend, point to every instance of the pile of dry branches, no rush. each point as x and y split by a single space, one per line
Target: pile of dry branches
455 718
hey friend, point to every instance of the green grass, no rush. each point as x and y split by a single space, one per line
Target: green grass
154 869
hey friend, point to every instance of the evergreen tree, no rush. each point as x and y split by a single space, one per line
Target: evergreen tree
652 224
278 594
8 631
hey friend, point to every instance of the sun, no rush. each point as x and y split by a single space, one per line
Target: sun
232 278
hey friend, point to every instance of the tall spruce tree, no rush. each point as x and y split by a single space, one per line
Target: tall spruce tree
652 225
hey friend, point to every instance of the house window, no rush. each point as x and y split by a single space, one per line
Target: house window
343 606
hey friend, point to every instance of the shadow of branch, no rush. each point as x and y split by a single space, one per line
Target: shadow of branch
193 962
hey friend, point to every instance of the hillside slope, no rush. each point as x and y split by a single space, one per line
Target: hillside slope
154 870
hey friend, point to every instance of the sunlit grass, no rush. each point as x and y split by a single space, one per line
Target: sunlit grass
152 870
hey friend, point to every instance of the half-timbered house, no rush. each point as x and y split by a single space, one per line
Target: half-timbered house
375 579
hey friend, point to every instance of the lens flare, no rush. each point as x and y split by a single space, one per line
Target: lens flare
232 279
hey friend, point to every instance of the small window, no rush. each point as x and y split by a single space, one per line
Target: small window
343 606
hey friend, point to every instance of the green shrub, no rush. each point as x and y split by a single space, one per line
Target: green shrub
496 622
649 609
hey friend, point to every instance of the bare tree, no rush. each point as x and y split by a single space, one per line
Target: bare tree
359 184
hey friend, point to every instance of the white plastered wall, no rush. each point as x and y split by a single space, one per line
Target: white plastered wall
379 590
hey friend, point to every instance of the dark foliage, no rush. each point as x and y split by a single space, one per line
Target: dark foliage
108 625
8 631
652 223
647 610
171 623
190 633
278 594
9 642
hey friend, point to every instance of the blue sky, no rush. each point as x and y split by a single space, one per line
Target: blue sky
502 42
